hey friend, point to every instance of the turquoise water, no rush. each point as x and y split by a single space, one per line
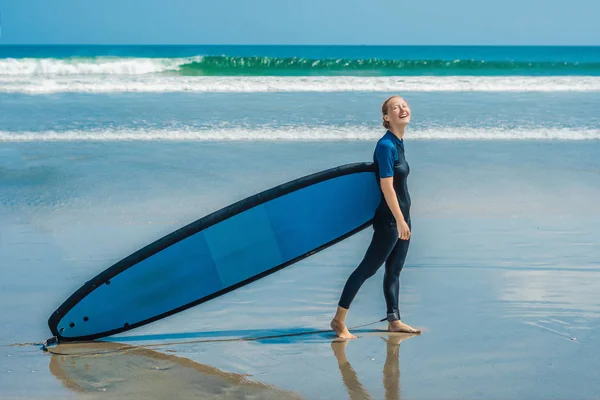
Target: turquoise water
39 70
322 60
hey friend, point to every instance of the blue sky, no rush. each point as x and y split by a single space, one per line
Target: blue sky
386 22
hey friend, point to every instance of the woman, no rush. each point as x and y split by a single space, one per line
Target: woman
391 222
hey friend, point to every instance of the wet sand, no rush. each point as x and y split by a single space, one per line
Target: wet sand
502 277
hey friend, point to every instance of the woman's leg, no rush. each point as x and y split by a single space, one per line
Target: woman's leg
382 244
391 286
391 278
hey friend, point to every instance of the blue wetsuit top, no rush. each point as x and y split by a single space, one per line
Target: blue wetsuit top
390 161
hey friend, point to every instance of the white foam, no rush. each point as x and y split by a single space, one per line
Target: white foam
35 67
221 84
298 134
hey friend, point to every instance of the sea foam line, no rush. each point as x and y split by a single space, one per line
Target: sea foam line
32 67
158 84
263 65
297 134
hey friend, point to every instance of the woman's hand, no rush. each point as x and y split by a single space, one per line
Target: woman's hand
403 230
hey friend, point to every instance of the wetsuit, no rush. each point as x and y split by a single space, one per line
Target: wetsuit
385 245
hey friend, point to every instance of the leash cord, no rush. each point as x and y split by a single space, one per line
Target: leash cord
48 343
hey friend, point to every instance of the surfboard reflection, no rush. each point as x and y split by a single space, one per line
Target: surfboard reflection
115 370
391 369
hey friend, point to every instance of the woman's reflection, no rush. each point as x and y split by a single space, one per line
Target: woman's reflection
391 368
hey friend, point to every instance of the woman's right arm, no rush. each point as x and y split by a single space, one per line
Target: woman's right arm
387 187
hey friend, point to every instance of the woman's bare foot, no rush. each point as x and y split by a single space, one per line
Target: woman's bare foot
399 326
341 330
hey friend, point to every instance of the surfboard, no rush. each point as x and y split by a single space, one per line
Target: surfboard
221 252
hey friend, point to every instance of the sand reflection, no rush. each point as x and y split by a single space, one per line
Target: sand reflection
114 370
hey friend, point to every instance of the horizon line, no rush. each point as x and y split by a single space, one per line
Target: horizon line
298 45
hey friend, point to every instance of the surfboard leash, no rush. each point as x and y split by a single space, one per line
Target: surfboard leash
53 341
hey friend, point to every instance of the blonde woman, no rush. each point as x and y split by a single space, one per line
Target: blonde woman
391 224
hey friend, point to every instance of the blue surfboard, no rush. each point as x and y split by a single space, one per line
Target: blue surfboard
221 252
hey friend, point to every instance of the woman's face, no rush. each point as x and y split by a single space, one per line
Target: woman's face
398 112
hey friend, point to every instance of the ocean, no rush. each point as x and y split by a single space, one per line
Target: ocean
104 149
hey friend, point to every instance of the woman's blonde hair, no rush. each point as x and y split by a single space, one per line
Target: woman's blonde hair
384 111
